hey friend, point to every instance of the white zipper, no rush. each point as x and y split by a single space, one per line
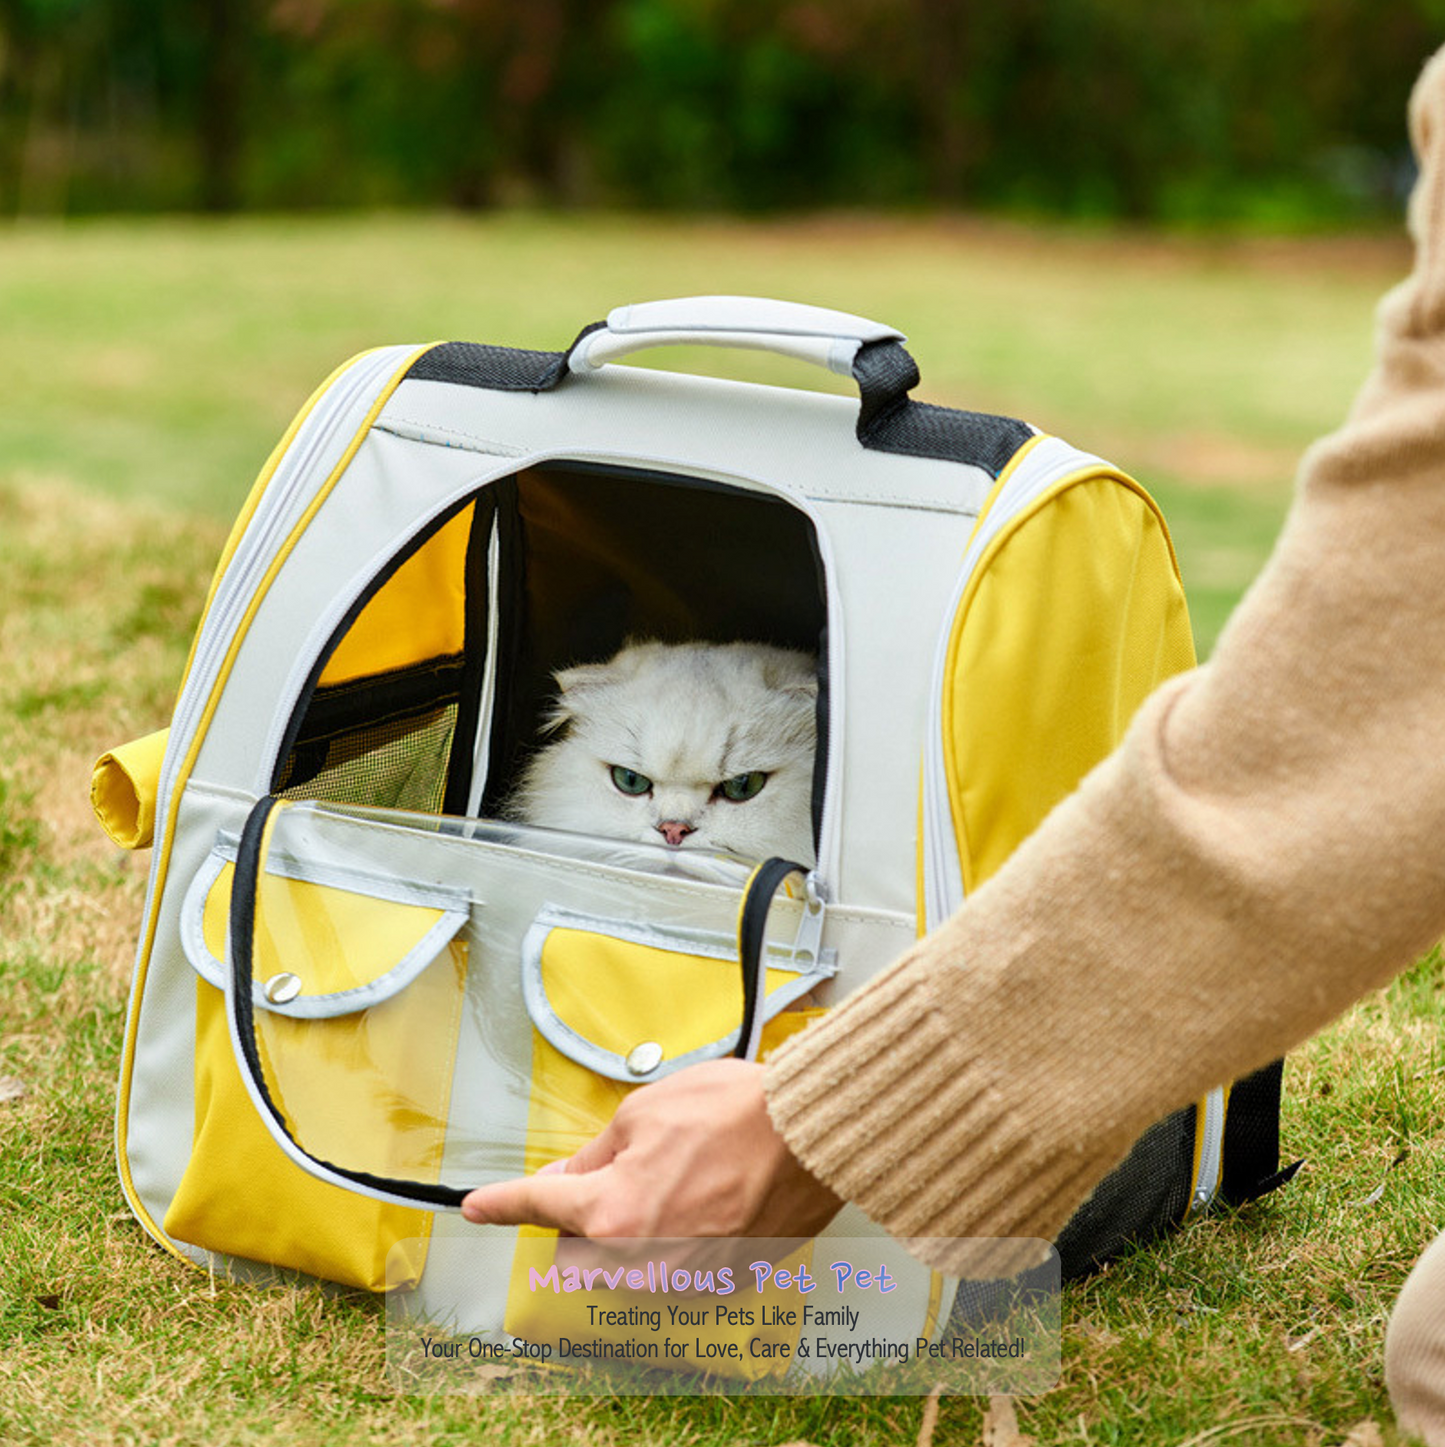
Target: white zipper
1050 461
1211 1149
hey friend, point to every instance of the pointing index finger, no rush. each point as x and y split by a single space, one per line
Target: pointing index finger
553 1198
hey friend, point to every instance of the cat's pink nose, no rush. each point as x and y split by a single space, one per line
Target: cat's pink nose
675 831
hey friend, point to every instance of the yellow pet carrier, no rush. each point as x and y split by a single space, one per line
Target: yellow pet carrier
358 993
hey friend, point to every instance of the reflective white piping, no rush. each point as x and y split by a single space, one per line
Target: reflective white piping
482 755
269 526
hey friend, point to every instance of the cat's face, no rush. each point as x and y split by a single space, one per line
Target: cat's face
695 745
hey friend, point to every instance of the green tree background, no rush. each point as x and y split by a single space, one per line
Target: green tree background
1274 111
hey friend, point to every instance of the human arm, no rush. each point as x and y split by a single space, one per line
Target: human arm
1267 845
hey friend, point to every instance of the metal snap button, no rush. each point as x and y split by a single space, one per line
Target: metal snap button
643 1059
283 988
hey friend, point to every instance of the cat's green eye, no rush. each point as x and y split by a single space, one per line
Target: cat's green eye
629 781
743 786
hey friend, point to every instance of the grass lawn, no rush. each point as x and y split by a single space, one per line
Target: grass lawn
161 359
147 370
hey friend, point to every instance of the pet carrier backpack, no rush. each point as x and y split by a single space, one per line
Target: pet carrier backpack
358 993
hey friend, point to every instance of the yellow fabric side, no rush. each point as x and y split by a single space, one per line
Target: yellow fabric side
1075 616
162 864
419 613
618 994
124 785
242 1196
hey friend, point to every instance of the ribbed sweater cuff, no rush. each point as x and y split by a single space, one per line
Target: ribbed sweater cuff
880 1101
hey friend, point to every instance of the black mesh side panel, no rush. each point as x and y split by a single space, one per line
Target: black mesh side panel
918 429
1146 1192
978 1304
499 369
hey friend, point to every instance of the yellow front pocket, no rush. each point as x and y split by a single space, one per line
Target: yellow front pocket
361 1070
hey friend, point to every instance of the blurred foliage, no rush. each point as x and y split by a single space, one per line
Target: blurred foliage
1270 110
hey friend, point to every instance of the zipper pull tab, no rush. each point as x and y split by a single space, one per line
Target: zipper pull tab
808 942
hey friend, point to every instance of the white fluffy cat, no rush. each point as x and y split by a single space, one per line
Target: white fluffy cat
694 745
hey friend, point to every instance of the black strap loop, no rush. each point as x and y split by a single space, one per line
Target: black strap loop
1251 1138
885 373
752 936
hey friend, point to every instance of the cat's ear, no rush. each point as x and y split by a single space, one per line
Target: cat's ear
573 687
787 675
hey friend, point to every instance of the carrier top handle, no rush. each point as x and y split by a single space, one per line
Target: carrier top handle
869 352
889 420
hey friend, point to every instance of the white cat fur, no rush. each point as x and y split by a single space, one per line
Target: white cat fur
687 717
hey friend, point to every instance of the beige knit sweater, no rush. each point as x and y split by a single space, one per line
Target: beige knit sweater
1267 844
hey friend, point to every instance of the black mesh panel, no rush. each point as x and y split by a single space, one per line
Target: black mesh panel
1146 1192
497 369
400 764
383 740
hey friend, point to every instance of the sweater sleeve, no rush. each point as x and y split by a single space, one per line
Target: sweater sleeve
1267 844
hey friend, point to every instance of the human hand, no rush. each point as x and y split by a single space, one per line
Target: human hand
694 1155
